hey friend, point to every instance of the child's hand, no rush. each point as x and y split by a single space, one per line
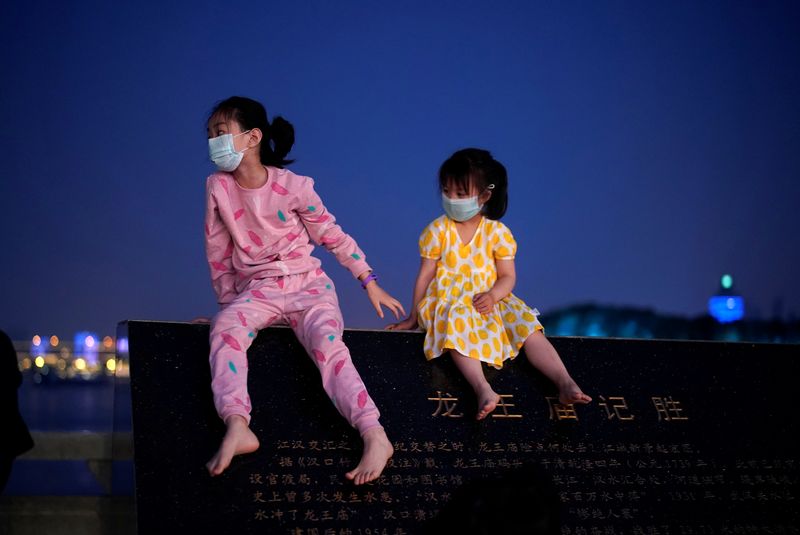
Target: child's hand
408 324
379 297
484 302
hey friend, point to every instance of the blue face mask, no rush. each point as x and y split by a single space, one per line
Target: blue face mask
223 154
461 209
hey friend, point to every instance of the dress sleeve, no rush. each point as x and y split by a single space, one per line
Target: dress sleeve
430 242
321 226
219 250
504 246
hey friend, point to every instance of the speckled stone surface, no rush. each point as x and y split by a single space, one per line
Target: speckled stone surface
682 437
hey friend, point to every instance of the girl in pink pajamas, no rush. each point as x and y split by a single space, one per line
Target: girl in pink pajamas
259 225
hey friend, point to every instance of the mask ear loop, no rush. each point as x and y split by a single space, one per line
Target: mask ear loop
241 134
490 187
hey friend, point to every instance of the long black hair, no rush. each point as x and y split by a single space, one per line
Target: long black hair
478 168
278 136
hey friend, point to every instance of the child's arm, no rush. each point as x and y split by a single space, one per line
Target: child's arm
427 270
323 230
321 226
219 250
379 297
506 278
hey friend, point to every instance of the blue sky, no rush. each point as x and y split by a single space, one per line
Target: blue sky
651 147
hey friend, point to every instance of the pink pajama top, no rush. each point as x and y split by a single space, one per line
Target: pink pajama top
253 234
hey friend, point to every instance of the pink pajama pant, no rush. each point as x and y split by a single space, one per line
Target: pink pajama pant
308 303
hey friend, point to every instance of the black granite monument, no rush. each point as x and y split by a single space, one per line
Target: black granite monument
681 438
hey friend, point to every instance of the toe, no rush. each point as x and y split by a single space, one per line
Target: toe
212 466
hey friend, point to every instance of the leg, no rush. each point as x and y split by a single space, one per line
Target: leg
472 371
377 452
238 440
319 328
544 357
232 332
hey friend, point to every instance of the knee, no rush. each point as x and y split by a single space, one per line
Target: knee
224 320
324 318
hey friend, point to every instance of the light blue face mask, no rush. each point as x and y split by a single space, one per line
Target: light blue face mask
223 154
460 209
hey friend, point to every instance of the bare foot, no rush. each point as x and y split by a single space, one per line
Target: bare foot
238 440
569 392
487 402
377 451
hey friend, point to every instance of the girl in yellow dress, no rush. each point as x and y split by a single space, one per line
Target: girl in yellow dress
462 296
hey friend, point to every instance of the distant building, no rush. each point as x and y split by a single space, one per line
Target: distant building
629 322
726 306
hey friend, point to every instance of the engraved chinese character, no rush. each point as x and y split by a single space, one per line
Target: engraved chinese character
613 406
560 411
502 404
446 402
668 409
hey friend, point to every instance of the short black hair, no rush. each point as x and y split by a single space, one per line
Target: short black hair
477 167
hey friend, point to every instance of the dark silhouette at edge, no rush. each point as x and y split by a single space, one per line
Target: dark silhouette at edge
16 437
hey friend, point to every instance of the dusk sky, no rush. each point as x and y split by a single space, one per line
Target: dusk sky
651 146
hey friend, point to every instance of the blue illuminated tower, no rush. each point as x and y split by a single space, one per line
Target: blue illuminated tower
726 306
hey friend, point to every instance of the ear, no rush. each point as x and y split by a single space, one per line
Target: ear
485 196
254 137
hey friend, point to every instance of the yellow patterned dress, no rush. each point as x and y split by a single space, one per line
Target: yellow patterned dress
446 312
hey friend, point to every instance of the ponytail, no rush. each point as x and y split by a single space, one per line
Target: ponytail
496 174
277 143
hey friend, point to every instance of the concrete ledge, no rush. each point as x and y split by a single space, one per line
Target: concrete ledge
80 445
98 450
67 515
